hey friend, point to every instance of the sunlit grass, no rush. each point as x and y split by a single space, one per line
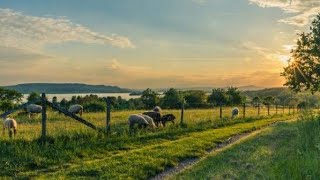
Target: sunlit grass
69 142
287 151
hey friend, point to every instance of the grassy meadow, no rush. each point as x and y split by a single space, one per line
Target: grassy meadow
288 150
73 150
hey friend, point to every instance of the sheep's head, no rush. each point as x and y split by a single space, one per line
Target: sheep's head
168 117
157 109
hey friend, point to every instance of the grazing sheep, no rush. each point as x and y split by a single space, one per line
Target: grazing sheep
33 109
155 116
157 109
9 123
76 109
166 118
149 120
235 112
137 119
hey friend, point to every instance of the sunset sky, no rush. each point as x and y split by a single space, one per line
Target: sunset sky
150 43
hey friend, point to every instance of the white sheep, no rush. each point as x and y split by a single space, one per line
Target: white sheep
9 123
235 112
157 109
76 109
33 109
149 120
137 119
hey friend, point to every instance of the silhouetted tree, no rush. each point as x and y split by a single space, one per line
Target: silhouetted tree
234 96
218 96
303 71
172 99
149 98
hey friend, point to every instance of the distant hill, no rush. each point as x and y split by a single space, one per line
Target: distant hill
209 89
66 88
267 92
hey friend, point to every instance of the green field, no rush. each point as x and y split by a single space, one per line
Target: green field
285 151
72 150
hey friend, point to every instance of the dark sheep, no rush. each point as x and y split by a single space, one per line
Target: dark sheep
155 116
166 118
235 112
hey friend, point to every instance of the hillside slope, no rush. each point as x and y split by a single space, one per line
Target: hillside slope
64 88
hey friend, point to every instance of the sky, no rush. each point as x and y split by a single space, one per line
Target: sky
150 43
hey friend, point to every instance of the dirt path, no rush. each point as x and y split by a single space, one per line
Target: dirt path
237 139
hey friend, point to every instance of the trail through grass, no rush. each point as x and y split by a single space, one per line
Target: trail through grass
286 151
149 160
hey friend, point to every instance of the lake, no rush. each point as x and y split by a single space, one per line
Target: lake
69 96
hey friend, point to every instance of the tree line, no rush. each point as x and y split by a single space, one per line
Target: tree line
172 99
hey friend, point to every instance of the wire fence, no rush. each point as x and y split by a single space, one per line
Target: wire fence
56 123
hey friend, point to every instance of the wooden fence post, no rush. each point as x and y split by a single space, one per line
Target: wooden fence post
44 115
289 110
182 112
268 110
293 109
244 110
259 109
220 111
108 118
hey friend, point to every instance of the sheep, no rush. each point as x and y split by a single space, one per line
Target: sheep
155 116
235 112
157 109
137 119
167 118
76 109
9 123
33 109
149 120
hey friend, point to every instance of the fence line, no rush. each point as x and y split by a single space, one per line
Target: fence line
108 117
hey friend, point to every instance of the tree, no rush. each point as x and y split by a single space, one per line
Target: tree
55 100
218 97
268 100
195 98
9 99
234 96
149 98
10 95
34 97
303 71
63 103
256 101
172 99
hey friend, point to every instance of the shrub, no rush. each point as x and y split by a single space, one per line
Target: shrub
94 106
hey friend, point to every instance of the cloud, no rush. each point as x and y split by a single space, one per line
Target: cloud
268 58
32 33
13 55
199 1
302 19
304 10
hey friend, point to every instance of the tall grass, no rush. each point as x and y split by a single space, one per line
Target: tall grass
286 151
69 141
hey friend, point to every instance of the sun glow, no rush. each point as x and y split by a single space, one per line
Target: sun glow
284 59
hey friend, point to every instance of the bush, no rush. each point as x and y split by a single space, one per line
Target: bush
6 105
95 106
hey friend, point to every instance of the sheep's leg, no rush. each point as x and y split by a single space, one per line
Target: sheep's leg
10 133
3 130
172 122
14 131
164 124
29 115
